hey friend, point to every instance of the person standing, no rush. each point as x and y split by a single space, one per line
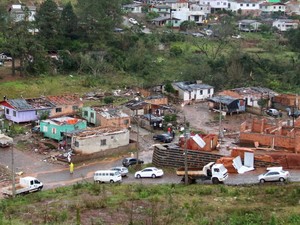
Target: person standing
71 168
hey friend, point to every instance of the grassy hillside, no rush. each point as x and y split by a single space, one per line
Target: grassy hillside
157 204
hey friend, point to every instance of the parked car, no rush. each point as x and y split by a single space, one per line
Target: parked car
131 161
274 174
133 21
273 112
122 170
149 172
166 138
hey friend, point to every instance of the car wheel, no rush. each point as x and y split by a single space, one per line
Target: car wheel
281 179
215 180
111 181
138 176
153 176
262 181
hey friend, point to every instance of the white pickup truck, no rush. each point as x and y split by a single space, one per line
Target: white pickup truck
25 186
217 173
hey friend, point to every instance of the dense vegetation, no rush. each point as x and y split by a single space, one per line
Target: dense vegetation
82 33
89 203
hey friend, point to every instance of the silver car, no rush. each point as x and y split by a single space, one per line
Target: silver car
122 170
274 174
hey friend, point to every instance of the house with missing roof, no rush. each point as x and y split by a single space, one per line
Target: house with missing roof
99 139
64 105
25 110
33 109
104 117
57 127
193 91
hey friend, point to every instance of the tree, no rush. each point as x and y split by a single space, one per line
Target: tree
98 19
188 25
69 22
293 36
47 21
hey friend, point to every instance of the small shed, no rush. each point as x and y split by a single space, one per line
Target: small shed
227 104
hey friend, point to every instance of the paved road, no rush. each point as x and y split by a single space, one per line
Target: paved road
57 175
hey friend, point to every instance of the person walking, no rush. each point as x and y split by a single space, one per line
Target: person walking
71 168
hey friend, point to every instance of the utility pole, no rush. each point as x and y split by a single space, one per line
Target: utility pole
137 140
220 123
13 171
186 182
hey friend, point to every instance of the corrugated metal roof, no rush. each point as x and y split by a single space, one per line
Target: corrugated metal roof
222 99
19 104
189 86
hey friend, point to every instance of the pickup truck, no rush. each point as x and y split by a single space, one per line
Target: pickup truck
25 186
217 173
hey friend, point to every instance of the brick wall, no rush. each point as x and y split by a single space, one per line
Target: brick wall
268 140
164 156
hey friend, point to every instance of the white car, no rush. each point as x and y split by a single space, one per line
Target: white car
121 169
274 174
149 172
133 21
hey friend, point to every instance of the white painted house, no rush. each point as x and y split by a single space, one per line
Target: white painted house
268 7
215 4
99 139
245 7
285 24
186 15
133 8
193 91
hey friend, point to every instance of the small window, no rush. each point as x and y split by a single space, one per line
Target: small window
103 142
7 111
76 144
85 113
45 129
126 122
201 92
253 5
217 170
247 5
75 107
208 91
53 130
241 4
14 113
58 110
92 114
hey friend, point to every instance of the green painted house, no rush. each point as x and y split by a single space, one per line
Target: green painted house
89 114
55 128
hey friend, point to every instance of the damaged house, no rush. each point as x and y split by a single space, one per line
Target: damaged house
226 104
64 105
25 110
189 92
99 139
106 117
57 127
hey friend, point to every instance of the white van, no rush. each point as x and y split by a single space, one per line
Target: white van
107 176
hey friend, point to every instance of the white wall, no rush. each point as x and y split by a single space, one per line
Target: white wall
92 144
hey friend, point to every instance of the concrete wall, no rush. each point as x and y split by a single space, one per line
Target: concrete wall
131 147
92 144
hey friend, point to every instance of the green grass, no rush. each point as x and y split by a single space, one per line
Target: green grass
157 204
